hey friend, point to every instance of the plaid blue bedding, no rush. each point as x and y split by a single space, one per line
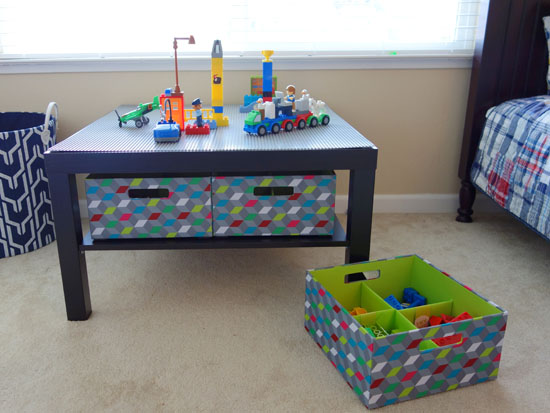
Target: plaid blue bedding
512 165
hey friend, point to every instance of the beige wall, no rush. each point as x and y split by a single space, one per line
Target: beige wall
415 117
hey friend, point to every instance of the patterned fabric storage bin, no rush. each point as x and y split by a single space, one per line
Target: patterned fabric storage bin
274 205
26 219
382 355
149 207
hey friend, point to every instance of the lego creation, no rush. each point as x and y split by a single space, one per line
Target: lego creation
217 84
270 112
138 115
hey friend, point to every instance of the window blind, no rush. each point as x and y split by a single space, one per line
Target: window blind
61 29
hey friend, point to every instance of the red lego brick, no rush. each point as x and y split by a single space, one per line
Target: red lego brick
448 340
435 320
446 318
195 130
463 316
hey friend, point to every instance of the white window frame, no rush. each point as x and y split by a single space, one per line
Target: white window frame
196 63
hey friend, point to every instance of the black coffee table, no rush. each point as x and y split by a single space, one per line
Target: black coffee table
102 147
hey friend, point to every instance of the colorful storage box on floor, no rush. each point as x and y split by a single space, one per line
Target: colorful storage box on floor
274 205
149 207
404 364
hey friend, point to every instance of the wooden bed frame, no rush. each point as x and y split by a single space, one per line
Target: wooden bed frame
510 61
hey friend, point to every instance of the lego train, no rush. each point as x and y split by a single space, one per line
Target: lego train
280 114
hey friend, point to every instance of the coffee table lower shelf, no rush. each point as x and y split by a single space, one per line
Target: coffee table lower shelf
338 239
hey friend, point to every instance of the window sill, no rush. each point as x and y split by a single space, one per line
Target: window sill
194 63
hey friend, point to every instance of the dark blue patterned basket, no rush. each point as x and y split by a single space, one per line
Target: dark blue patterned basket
26 220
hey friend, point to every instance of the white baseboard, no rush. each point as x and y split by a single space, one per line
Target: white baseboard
399 204
418 203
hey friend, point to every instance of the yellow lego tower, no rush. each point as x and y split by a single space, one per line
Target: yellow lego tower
217 84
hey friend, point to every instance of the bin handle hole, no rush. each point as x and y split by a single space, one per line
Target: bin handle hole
362 276
274 191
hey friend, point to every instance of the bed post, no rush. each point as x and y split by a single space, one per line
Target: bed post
466 196
510 61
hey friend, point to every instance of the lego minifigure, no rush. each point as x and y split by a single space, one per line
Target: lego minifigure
291 95
197 105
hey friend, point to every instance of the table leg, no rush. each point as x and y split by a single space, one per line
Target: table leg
68 231
359 220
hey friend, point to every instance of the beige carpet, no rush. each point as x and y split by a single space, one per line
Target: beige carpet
223 330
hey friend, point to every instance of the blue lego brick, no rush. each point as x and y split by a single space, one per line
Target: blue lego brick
218 109
211 123
285 110
267 76
391 300
410 295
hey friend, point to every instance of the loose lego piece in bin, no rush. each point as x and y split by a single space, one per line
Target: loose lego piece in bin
394 302
410 295
446 318
377 330
358 311
448 340
435 320
422 321
463 316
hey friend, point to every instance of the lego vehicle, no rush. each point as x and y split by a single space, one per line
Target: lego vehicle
271 117
138 115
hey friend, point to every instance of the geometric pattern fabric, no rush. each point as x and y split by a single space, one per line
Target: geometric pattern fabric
26 220
273 205
149 207
383 371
